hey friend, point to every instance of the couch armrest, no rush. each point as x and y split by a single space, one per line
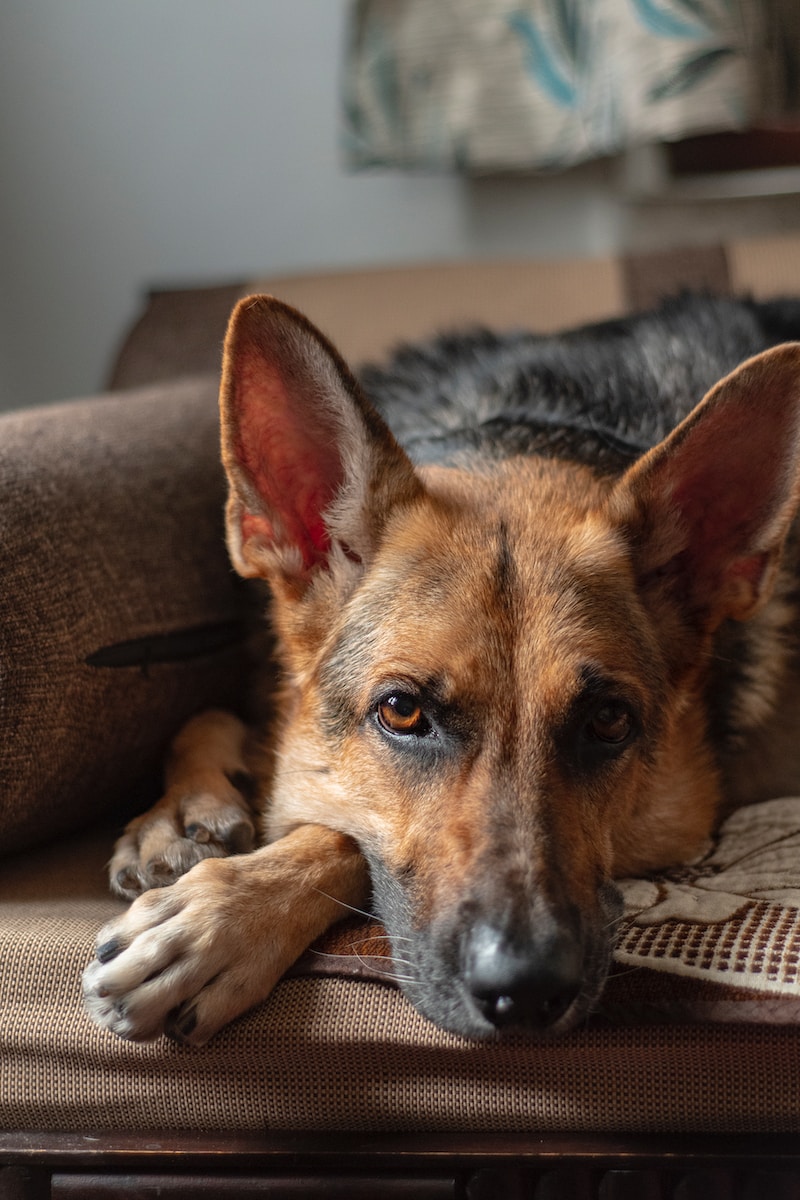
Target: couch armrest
120 614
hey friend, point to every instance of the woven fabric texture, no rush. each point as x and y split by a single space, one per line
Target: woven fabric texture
340 1053
120 612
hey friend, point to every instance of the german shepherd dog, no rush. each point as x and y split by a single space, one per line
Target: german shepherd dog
535 606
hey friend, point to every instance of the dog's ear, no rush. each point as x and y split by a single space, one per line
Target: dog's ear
313 470
708 509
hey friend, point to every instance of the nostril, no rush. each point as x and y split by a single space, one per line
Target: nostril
525 1007
533 988
501 1009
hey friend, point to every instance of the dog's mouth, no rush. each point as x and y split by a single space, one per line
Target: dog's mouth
478 978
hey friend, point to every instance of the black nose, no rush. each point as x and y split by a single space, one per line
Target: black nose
531 986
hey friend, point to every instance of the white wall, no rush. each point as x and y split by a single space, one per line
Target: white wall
163 142
147 142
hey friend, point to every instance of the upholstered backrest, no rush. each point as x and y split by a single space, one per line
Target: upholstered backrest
120 615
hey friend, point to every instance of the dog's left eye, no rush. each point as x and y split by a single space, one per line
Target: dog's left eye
401 713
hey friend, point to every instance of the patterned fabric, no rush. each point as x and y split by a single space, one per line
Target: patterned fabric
731 918
489 85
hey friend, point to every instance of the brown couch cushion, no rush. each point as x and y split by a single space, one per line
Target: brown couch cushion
120 615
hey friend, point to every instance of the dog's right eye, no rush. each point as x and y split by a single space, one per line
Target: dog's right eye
400 713
611 723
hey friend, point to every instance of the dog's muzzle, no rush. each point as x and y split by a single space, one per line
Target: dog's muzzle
537 969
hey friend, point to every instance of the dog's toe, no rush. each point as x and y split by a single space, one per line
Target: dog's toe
180 831
156 958
208 821
141 972
127 883
174 860
106 1010
240 837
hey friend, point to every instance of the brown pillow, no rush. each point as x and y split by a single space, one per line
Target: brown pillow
119 613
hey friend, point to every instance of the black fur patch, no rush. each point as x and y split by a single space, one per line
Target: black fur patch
600 395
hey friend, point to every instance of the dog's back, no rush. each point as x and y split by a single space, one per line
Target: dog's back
601 394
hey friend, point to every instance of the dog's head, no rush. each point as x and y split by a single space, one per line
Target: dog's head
494 676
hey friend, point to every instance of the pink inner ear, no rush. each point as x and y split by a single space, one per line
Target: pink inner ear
726 485
727 478
718 495
290 455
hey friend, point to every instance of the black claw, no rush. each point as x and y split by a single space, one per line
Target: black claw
127 880
182 1025
198 833
239 838
108 950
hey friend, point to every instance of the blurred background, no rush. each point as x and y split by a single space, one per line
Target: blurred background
166 143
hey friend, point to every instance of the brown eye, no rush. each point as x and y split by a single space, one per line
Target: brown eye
612 723
400 713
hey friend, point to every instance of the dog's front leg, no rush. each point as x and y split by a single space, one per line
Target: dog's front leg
204 812
187 959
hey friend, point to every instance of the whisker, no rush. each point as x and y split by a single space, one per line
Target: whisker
371 965
391 941
343 903
387 972
375 937
305 770
615 923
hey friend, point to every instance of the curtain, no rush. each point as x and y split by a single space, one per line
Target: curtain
505 85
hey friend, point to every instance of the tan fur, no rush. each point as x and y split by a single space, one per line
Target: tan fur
456 631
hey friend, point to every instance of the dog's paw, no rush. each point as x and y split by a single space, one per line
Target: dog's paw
186 959
180 831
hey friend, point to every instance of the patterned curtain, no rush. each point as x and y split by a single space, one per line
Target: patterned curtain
503 85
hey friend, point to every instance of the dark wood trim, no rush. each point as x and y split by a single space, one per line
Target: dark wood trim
762 148
324 1166
394 1151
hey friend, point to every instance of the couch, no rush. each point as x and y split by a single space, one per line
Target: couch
120 618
